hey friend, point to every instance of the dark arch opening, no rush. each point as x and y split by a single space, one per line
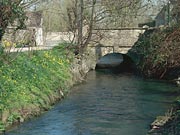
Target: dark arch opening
115 61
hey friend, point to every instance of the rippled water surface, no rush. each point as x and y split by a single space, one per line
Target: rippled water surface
105 104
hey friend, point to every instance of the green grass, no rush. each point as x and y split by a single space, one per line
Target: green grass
32 78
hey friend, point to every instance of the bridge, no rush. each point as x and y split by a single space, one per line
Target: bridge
114 40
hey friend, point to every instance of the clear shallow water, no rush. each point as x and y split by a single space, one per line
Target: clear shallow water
105 104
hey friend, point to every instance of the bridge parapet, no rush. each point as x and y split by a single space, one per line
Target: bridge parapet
118 37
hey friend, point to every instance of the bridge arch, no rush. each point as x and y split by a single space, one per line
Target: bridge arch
107 41
114 40
118 61
103 50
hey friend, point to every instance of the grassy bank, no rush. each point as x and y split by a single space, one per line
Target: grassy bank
30 82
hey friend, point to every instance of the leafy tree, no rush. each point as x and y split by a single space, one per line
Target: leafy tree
13 11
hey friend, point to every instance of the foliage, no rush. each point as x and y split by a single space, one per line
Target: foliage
2 126
33 78
56 22
157 52
13 118
11 11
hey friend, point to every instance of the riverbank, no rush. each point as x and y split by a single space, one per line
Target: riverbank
157 55
166 124
33 81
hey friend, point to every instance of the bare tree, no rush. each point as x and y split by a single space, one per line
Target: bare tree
88 14
80 10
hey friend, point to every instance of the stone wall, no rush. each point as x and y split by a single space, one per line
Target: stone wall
54 38
80 67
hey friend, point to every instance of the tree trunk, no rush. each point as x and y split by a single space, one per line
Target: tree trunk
91 24
80 7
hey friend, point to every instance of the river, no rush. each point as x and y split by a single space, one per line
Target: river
104 104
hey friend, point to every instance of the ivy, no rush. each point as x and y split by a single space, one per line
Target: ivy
11 11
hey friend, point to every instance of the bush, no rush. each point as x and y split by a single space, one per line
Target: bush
156 53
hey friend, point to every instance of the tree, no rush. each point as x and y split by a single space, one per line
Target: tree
175 10
11 11
121 13
85 15
81 19
82 16
88 21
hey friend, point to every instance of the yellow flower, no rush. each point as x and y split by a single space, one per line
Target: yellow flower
6 44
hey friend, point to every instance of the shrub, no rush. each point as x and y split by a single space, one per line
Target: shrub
156 53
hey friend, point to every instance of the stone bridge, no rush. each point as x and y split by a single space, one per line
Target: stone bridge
114 40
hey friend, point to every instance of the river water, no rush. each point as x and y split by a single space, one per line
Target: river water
105 104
